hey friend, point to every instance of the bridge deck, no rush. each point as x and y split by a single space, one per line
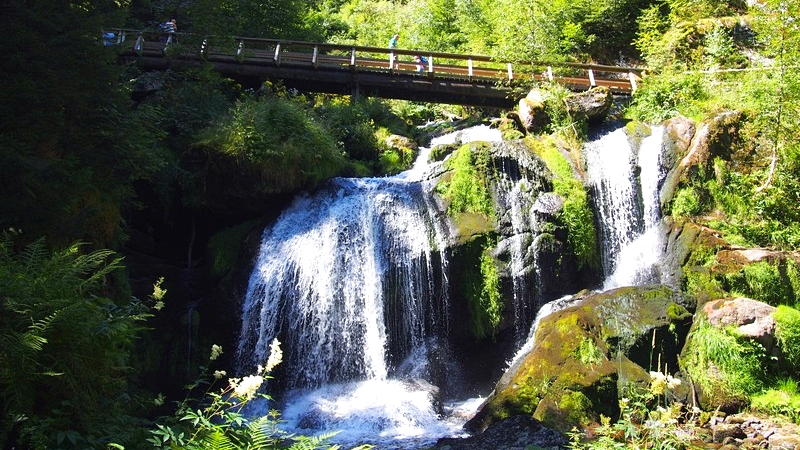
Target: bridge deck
370 71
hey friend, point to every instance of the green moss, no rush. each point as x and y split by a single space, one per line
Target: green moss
686 203
225 246
793 276
588 353
787 330
676 312
481 286
576 214
724 366
467 188
783 399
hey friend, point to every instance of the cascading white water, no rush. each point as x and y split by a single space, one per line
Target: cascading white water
353 281
626 186
629 213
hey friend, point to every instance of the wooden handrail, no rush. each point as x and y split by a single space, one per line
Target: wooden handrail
321 46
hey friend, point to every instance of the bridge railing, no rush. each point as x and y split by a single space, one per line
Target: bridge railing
316 55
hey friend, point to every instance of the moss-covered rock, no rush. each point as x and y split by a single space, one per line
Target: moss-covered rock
724 367
441 151
532 111
714 138
581 356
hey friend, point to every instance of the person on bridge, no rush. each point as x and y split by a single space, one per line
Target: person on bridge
421 62
392 46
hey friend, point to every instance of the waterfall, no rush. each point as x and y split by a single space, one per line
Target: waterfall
625 184
353 280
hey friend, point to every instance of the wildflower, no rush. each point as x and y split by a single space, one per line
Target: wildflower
218 374
672 382
658 383
216 350
248 387
275 356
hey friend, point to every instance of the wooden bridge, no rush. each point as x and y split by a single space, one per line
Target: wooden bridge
358 70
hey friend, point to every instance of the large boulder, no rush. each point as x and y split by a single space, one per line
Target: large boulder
592 104
582 355
714 138
531 111
751 318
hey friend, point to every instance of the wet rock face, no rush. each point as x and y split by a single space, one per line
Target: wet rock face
581 357
592 104
515 433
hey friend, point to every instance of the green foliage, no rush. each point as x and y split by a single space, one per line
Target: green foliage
483 293
576 213
722 363
225 246
64 346
468 187
666 95
70 146
686 203
783 399
588 353
276 140
762 281
787 330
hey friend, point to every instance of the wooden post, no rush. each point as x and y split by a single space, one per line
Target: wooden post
239 49
120 37
353 58
469 68
632 79
430 65
391 60
510 72
591 78
549 73
137 46
277 56
204 47
314 56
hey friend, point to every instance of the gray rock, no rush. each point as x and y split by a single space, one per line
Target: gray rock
592 104
724 432
548 204
784 442
753 319
515 433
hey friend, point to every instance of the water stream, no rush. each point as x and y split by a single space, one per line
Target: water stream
353 280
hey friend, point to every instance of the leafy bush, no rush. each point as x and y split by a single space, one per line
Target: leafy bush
666 95
276 140
762 281
482 288
787 330
64 346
